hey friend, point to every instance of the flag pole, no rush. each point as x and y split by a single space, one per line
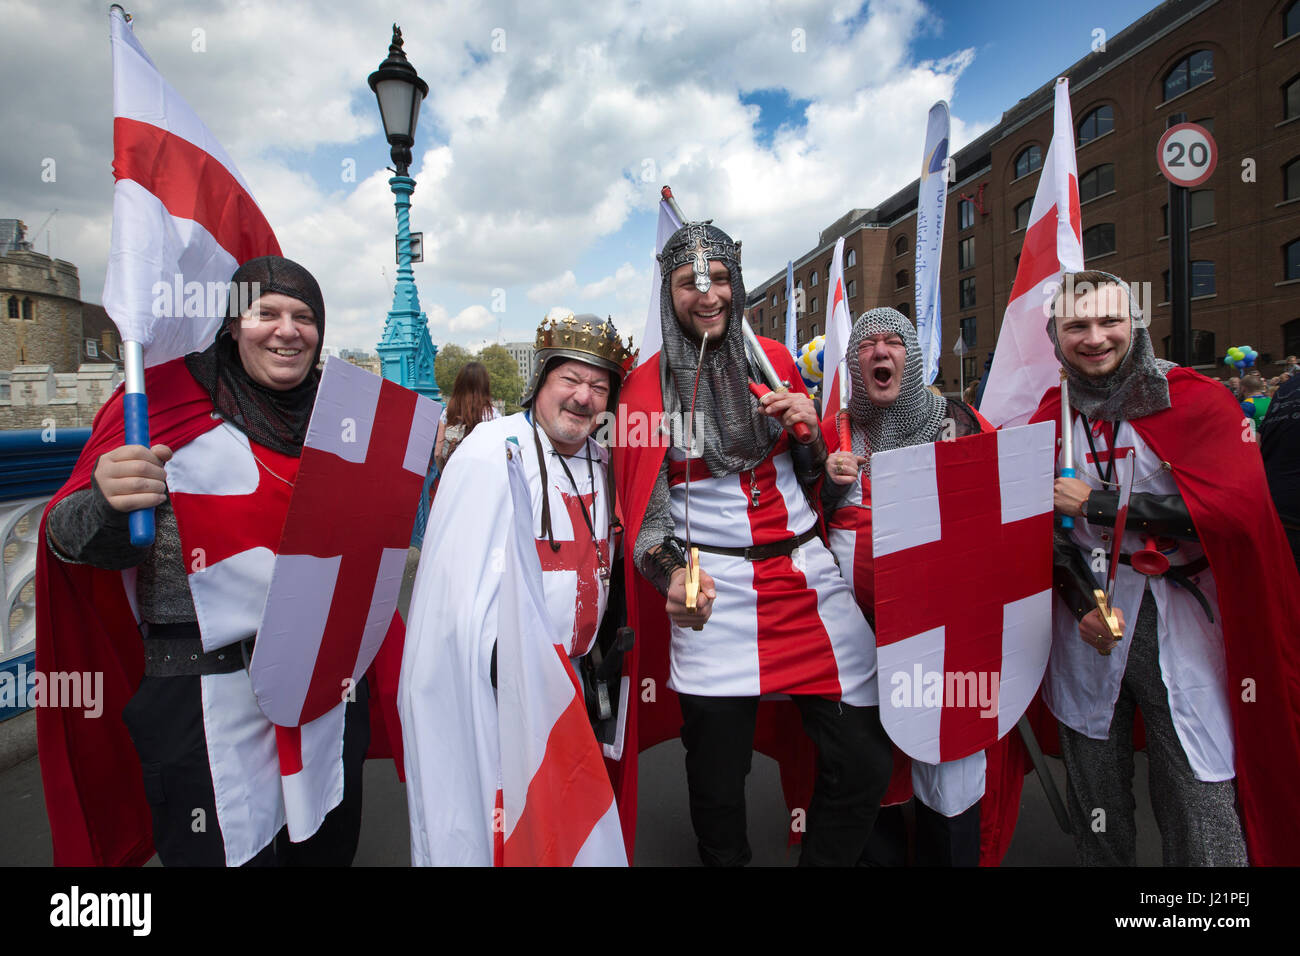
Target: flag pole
135 409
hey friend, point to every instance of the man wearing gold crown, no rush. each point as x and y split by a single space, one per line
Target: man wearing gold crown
469 653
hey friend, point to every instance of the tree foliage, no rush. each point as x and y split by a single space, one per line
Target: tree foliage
503 373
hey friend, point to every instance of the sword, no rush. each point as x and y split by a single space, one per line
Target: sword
842 416
756 355
1067 439
1105 599
692 552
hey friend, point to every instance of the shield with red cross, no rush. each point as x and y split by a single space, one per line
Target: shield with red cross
962 545
342 554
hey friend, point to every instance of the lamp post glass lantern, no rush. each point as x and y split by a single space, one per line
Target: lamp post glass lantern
400 92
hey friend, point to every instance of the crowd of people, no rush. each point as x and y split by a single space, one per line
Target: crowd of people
728 538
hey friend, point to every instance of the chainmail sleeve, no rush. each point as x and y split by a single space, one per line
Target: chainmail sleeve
656 526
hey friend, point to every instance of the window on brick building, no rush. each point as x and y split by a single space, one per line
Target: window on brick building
1097 182
1097 123
1098 240
813 279
1206 124
965 214
968 331
1291 337
1291 25
27 309
966 253
900 278
1029 159
1291 99
900 244
1200 210
812 331
13 307
813 306
853 288
966 293
1202 347
1189 73
1291 259
1022 214
1202 278
905 308
851 259
1291 178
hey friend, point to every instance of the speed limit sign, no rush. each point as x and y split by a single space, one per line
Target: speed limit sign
1187 154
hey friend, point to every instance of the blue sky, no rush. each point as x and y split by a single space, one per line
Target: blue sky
546 136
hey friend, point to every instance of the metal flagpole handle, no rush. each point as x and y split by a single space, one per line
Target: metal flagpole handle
135 410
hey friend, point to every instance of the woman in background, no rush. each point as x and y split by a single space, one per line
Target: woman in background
470 403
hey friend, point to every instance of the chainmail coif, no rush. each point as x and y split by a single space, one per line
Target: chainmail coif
276 418
1138 387
733 435
916 416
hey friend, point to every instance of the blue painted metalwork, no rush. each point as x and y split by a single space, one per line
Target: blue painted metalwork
406 351
36 462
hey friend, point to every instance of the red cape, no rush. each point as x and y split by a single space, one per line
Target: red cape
779 732
1220 475
1006 762
94 793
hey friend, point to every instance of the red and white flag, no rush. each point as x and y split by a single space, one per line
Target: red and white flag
652 340
183 217
962 540
839 324
1024 363
339 566
556 804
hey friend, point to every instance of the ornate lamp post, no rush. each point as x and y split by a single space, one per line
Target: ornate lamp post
406 351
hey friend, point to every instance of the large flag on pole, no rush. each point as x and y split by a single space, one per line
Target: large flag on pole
838 326
931 203
1024 363
791 315
652 340
183 217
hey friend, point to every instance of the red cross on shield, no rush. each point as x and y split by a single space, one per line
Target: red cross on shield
343 551
962 543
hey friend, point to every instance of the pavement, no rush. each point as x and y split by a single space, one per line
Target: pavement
664 836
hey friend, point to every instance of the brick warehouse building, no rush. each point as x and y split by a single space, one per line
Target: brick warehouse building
1231 65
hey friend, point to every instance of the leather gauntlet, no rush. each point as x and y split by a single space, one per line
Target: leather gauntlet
1163 516
658 564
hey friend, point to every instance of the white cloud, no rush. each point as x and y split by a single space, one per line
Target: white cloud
555 289
475 318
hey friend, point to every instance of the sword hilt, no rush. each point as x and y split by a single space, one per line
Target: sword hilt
1108 616
693 585
802 433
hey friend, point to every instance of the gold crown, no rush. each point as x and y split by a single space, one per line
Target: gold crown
568 334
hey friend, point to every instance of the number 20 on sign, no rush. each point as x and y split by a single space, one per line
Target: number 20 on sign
1187 154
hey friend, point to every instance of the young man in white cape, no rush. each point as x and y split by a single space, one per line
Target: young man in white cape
508 771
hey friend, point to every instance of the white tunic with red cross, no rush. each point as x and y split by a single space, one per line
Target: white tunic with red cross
1081 686
784 624
572 559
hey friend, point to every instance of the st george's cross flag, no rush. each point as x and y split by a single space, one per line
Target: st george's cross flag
183 217
839 325
556 804
962 538
1024 362
652 340
338 569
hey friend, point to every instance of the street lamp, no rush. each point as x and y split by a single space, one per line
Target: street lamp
400 92
406 352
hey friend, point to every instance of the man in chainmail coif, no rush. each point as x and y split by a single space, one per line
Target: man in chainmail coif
890 408
773 614
1206 594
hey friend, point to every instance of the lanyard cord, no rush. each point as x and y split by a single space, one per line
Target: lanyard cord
1092 446
546 495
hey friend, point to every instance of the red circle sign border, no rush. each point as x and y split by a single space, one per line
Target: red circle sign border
1214 155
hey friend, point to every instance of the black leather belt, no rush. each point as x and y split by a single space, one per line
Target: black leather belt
760 551
1181 575
176 650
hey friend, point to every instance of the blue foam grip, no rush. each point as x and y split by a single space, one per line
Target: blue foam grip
135 409
1066 520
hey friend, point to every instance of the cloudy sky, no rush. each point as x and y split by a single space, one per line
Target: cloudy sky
548 130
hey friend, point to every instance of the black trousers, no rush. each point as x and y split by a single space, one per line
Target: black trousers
854 760
165 720
940 840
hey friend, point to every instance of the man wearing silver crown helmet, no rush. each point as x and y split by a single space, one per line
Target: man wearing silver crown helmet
462 641
773 615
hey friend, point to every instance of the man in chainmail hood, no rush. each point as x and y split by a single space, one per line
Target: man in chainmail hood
773 615
1218 692
890 408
